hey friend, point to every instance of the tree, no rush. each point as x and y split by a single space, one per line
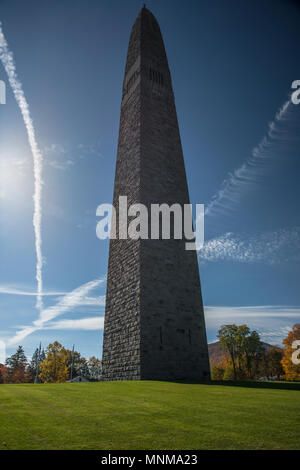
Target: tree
290 355
273 358
84 368
37 358
228 338
54 368
95 367
17 360
2 373
254 352
16 368
77 365
244 348
229 373
217 372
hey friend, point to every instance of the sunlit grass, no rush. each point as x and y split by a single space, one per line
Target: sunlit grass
149 415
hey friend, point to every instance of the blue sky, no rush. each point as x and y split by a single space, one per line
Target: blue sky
232 65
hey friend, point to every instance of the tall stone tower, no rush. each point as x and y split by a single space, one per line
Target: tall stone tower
154 323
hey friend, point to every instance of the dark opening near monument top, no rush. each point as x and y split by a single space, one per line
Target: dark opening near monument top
154 322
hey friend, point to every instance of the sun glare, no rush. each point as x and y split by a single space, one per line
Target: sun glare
14 177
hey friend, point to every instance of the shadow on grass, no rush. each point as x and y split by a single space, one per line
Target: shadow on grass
248 384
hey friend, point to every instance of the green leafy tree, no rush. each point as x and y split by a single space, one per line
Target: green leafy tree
77 365
37 358
228 338
271 365
84 369
244 348
254 352
274 358
17 360
95 367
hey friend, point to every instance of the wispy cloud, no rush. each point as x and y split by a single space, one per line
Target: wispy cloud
21 335
13 290
85 324
67 303
251 172
273 322
7 59
58 157
253 311
62 157
85 301
269 247
92 301
86 150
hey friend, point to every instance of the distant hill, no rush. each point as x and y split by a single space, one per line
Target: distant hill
216 353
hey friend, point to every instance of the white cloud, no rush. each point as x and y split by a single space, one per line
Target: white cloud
269 247
92 301
21 335
57 156
63 158
13 290
255 311
87 324
57 149
272 322
61 165
89 149
251 172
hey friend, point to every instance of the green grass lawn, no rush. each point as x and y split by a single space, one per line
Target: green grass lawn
150 415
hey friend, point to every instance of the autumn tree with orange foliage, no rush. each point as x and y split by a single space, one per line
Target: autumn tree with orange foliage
291 354
219 370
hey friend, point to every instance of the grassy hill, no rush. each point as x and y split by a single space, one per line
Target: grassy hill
150 415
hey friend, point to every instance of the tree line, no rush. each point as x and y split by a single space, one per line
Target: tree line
53 365
247 358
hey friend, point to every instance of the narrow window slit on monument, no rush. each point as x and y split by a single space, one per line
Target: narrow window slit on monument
156 76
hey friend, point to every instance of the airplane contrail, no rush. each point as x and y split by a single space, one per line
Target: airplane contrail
68 302
7 59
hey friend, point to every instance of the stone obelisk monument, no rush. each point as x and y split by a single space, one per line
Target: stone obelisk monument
154 323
